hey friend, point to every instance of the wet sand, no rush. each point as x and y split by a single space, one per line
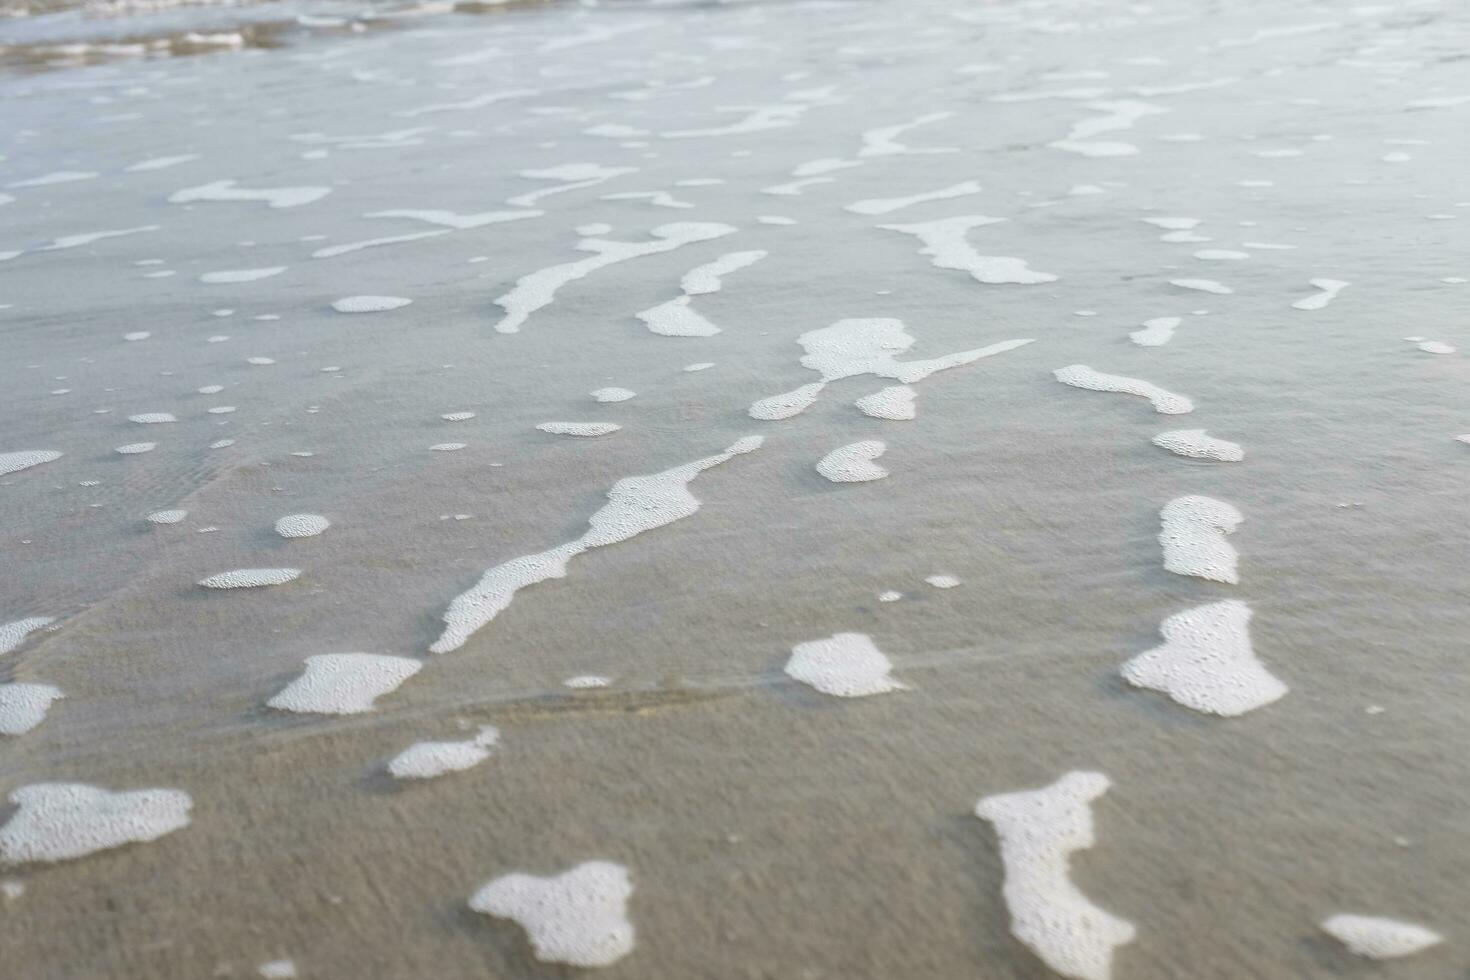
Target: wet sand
768 829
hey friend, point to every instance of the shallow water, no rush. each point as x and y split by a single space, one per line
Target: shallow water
768 829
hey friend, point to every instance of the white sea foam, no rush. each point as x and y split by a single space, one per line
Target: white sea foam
344 683
537 289
849 348
1329 290
885 205
1164 402
134 448
709 278
1194 443
1378 938
87 238
676 318
1193 538
250 578
464 105
426 760
853 463
302 525
579 917
1155 332
947 248
895 402
569 177
241 275
457 416
942 581
844 665
152 418
332 251
1121 114
1206 662
882 141
369 304
613 394
1038 831
278 970
453 219
24 706
25 459
1203 286
584 429
59 821
584 682
167 516
228 190
160 163
447 447
55 177
635 504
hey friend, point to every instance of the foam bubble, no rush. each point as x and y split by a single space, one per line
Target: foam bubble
457 416
1206 662
1155 332
538 289
332 251
25 459
853 463
133 448
426 760
709 278
881 141
1379 938
635 504
1164 402
1038 831
1120 114
344 683
844 665
369 304
1202 285
1329 290
676 318
152 418
451 219
137 335
228 190
579 917
277 970
584 682
698 366
613 394
1195 443
241 275
943 581
1431 346
885 205
167 516
447 447
159 163
945 245
250 578
302 525
24 706
849 348
1193 538
895 402
59 821
584 429
13 633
